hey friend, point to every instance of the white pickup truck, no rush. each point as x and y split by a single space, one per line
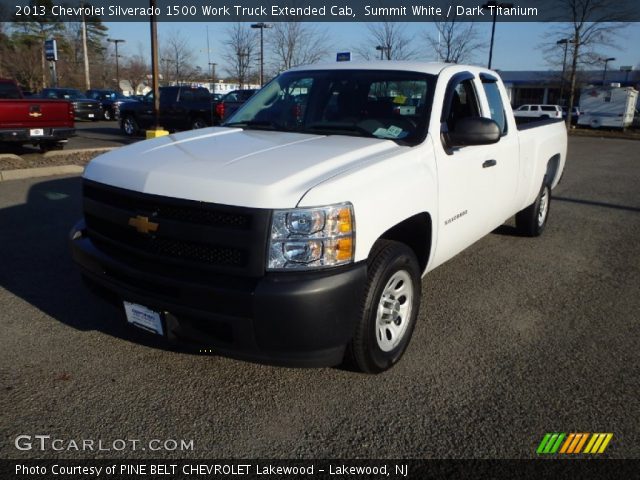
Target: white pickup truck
298 232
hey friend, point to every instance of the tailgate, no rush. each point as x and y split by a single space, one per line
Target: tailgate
34 113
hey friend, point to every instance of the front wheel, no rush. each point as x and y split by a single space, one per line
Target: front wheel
390 308
198 123
532 220
129 126
107 114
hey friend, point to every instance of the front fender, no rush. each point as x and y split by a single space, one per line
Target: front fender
384 190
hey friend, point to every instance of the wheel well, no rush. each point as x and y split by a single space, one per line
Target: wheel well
415 232
552 168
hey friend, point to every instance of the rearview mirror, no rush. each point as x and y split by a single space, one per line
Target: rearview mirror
473 131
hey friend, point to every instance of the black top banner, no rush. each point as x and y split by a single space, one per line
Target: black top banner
322 10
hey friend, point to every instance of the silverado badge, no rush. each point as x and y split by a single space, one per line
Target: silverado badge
142 224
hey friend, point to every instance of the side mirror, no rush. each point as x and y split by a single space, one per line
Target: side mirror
473 131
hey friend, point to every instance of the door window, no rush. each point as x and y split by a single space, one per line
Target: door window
464 104
496 107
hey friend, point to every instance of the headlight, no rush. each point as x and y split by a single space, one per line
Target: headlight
305 238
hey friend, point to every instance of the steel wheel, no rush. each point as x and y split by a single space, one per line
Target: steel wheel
394 311
390 307
532 220
543 208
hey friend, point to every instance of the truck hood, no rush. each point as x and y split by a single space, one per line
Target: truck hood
232 166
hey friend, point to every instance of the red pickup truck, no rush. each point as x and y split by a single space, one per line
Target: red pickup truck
44 123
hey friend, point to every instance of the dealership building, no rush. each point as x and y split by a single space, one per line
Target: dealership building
543 87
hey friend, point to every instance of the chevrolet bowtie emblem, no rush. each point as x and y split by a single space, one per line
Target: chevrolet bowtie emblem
35 114
142 224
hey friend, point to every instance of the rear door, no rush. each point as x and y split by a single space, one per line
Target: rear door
505 153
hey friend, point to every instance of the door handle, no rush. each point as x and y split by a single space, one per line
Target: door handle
489 163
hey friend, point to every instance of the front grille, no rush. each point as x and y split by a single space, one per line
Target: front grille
190 234
197 212
166 247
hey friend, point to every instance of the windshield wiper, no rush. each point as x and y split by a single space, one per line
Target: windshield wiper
340 127
253 124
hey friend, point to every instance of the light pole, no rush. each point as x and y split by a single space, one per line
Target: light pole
626 69
565 42
167 62
493 6
212 67
606 61
261 26
117 41
242 66
382 49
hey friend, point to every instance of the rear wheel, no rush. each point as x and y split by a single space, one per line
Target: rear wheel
532 220
129 126
390 308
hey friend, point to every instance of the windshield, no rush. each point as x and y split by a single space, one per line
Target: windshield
68 94
379 104
9 91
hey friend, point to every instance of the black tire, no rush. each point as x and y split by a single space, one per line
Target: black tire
390 265
129 126
198 123
532 220
107 114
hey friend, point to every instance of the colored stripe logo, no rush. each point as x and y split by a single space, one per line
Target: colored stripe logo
591 443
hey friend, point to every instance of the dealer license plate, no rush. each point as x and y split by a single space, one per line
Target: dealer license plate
36 132
143 317
90 115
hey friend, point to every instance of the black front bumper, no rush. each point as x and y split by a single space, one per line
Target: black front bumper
295 319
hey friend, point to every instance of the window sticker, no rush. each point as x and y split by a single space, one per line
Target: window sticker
391 132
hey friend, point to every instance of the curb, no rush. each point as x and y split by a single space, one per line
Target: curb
9 156
22 173
63 153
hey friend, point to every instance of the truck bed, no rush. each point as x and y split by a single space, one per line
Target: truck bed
525 123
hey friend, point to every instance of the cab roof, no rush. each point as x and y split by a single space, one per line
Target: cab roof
432 68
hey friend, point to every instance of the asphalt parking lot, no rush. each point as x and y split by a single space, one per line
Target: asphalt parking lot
517 337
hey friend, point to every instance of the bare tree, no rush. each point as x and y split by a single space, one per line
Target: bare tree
593 24
135 71
390 39
42 28
295 43
178 53
240 51
18 56
454 42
